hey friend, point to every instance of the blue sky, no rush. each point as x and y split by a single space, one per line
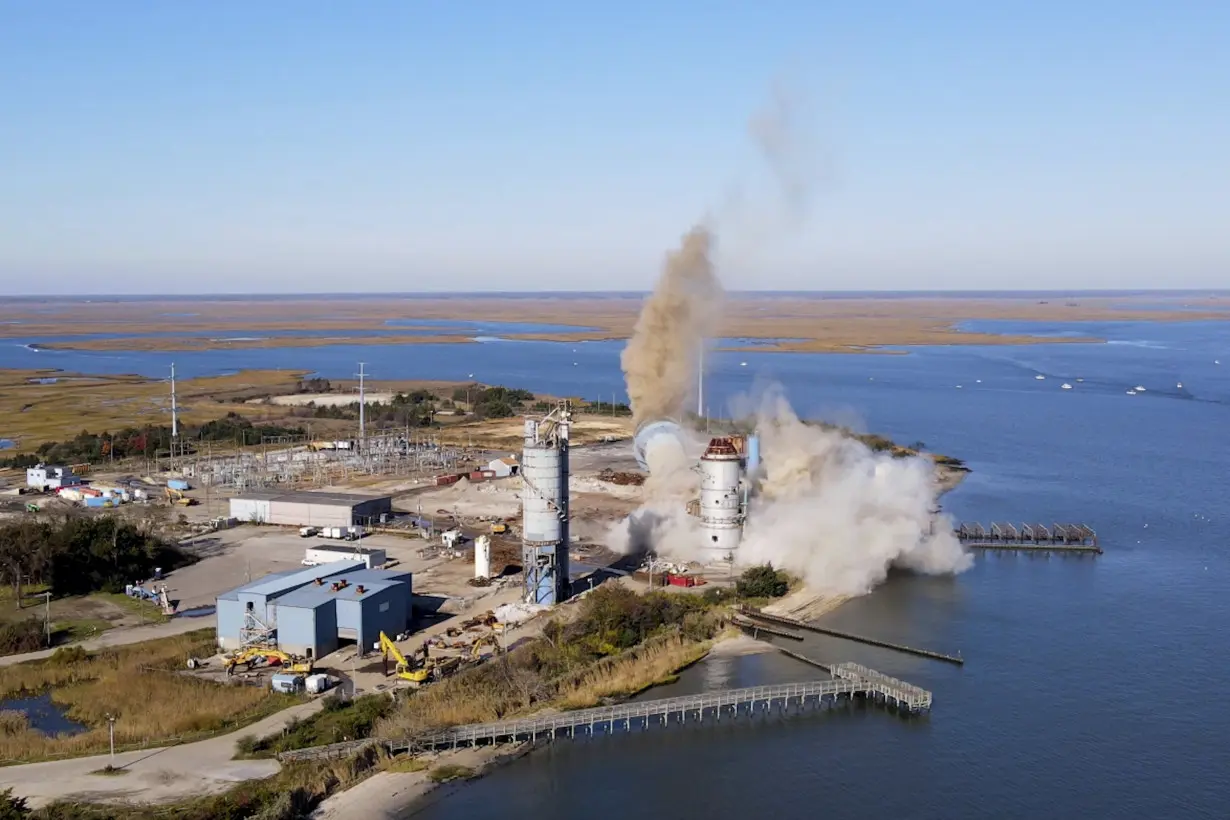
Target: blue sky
309 146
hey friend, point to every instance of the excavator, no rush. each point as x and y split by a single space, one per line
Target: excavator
291 663
402 669
177 497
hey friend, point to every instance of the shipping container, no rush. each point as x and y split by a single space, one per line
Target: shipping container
178 484
316 684
445 480
477 475
682 580
488 473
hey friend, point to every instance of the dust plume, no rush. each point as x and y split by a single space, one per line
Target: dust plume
825 508
839 515
660 360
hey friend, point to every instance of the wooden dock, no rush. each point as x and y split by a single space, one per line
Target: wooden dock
850 636
1070 538
850 682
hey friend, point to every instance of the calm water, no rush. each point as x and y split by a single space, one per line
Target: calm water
1093 687
43 715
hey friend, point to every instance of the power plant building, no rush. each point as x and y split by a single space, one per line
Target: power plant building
310 509
310 612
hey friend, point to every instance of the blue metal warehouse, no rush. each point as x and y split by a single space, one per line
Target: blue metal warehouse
310 611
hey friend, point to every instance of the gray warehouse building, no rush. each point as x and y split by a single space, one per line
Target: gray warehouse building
310 509
312 611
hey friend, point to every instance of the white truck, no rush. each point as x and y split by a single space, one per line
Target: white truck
307 532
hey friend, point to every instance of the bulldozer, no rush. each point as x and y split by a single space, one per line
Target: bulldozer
403 668
498 528
291 663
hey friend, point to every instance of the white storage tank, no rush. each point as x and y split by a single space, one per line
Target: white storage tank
721 503
482 557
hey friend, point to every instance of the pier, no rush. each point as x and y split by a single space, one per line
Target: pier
1070 538
850 682
755 629
850 636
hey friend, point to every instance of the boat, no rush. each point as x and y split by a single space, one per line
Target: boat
1079 380
1065 386
1139 389
1179 386
742 364
1131 392
1039 377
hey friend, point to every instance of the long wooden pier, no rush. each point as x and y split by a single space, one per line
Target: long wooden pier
850 681
1071 538
850 636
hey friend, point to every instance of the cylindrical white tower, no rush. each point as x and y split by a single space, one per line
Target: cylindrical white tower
544 507
482 557
721 502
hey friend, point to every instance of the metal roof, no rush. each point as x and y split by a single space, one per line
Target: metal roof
312 596
309 497
272 585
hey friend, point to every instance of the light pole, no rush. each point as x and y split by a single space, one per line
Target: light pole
111 731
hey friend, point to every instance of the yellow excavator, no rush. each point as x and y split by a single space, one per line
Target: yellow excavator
403 669
177 497
291 663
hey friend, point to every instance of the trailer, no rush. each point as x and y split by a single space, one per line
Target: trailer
314 556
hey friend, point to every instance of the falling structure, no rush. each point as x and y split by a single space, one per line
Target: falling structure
722 508
544 505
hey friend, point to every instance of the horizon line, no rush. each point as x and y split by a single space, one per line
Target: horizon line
838 293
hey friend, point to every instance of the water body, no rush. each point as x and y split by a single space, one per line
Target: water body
43 715
1092 686
7 444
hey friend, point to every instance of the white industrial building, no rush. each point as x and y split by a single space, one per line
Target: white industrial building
310 509
544 508
504 467
47 477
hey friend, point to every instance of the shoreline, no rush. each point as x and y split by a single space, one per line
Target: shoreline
402 795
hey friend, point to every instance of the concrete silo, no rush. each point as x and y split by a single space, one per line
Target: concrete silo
721 509
544 505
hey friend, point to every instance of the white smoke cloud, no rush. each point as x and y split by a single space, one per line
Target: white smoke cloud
827 509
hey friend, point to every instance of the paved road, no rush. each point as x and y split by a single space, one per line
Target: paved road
121 636
153 775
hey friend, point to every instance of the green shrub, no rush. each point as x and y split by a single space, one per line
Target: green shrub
762 582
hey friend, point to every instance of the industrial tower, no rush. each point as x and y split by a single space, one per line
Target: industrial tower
544 505
722 509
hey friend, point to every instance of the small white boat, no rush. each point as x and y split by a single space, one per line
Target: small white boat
1079 380
979 381
1065 386
1217 361
1039 377
742 364
1179 386
1131 392
958 387
1139 389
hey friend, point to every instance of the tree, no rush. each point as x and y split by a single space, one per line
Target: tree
762 582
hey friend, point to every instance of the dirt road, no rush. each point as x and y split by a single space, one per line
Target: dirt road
120 637
152 775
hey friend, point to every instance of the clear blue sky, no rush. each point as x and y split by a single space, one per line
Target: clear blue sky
232 145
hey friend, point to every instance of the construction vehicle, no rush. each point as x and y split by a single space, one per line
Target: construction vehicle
252 654
402 668
32 508
498 528
177 497
477 648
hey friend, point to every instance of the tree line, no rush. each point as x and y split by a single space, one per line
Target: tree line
74 555
149 441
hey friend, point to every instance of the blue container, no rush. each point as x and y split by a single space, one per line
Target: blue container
753 452
96 501
177 484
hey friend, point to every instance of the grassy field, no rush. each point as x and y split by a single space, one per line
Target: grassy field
807 323
32 412
77 617
141 684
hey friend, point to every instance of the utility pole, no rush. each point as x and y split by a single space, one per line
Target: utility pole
47 615
111 728
362 410
174 417
700 382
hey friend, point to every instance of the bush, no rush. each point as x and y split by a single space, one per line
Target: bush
762 582
22 636
12 808
450 771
